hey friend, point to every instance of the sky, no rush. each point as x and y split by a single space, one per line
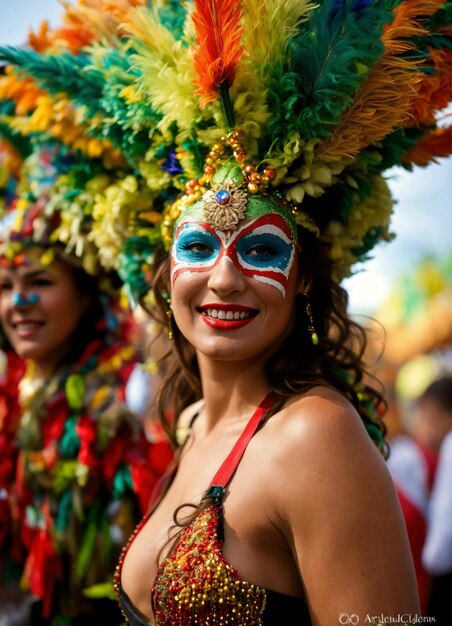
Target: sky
422 218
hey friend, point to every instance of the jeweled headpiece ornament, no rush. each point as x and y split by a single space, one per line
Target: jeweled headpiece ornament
312 101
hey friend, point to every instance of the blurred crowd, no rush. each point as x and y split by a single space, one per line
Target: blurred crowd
421 465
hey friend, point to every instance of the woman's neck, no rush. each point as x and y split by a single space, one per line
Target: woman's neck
230 389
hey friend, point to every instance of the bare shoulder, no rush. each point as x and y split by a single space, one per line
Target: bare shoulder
322 423
322 444
331 495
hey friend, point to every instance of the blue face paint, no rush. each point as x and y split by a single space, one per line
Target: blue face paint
265 250
195 245
18 299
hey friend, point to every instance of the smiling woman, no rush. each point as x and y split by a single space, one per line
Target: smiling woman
72 454
40 311
210 273
254 136
242 331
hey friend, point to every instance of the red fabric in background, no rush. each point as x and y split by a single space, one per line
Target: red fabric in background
416 526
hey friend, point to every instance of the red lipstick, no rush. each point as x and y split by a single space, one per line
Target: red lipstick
226 316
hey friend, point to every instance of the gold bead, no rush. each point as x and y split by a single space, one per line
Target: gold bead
253 188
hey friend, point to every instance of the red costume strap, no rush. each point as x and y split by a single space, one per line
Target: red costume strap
224 474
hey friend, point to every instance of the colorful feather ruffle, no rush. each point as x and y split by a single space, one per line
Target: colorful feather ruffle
326 95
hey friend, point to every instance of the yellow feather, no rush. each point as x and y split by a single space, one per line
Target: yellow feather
251 111
268 24
373 210
267 27
167 75
144 25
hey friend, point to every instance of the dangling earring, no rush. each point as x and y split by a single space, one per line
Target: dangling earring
169 315
311 327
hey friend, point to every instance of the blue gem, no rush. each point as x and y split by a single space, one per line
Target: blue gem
223 197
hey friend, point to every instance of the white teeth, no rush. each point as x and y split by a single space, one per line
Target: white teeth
26 326
226 315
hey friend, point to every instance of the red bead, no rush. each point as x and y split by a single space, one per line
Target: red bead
270 173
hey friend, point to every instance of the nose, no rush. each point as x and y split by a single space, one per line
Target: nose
20 300
225 278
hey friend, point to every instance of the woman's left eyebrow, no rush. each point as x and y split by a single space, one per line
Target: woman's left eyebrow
39 274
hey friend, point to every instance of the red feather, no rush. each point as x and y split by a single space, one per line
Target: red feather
219 50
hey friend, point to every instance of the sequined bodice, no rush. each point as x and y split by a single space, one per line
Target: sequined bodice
195 585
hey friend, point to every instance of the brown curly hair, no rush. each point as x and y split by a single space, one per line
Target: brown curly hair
297 365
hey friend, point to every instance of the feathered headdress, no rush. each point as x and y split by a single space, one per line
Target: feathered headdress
59 169
312 100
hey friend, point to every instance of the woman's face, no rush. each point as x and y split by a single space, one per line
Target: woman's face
233 293
40 307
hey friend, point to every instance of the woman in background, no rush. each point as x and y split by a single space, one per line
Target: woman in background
77 469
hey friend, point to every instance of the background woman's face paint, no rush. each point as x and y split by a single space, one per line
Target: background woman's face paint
18 299
263 249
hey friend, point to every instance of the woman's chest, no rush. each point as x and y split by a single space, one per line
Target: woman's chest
252 544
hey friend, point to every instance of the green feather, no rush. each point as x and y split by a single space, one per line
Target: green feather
19 142
396 145
329 57
62 73
173 16
126 125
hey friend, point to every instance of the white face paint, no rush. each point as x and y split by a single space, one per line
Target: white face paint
263 249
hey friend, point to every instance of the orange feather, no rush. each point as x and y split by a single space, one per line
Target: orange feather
24 91
385 100
218 46
436 144
435 88
85 22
